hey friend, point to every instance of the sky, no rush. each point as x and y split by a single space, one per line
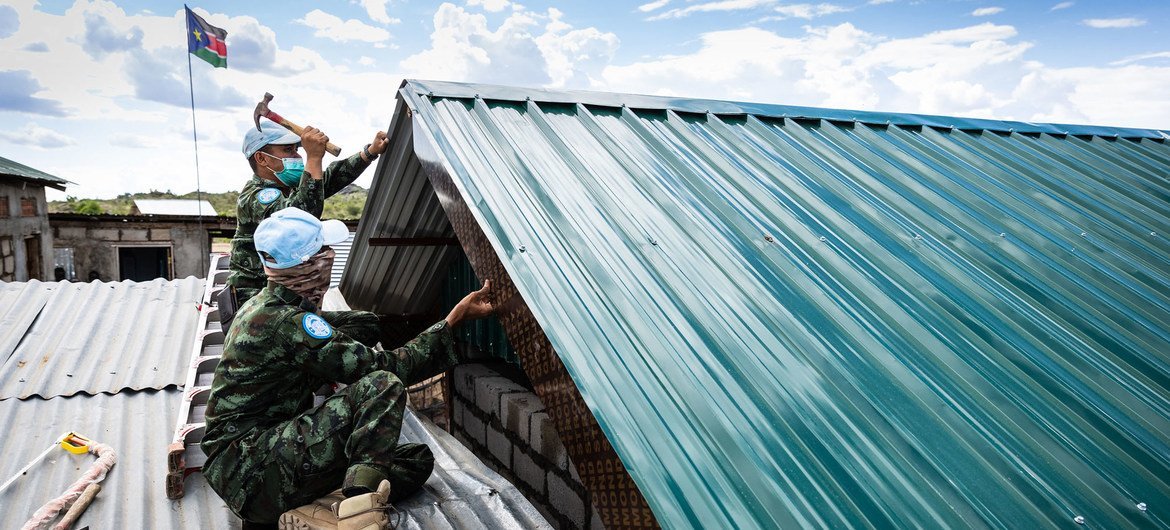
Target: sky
98 92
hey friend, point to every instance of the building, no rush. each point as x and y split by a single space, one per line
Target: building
26 246
135 247
740 315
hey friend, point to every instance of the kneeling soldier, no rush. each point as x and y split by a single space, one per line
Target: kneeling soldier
268 448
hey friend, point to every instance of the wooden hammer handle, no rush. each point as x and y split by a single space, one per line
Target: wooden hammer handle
298 130
78 507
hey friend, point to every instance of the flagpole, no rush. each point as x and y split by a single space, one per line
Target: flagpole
198 187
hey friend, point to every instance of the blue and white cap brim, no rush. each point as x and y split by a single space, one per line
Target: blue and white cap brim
333 232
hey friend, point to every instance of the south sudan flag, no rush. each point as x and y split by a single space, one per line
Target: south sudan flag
206 41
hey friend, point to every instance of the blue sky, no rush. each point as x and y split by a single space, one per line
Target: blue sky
96 91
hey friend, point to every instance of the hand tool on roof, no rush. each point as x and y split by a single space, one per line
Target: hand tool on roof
81 492
262 111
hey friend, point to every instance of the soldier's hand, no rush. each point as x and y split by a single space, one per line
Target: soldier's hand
378 146
473 306
313 140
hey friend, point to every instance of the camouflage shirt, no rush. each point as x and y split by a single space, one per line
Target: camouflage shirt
277 354
261 198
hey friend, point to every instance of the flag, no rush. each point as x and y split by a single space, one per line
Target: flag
206 41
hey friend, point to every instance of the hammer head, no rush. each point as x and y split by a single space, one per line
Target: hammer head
261 109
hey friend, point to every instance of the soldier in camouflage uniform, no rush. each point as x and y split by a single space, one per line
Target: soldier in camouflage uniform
268 448
278 182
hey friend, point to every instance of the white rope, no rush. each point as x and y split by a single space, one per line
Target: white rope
95 474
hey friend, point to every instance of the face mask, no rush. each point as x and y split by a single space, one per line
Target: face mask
293 168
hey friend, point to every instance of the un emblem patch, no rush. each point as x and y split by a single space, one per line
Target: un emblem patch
316 326
268 195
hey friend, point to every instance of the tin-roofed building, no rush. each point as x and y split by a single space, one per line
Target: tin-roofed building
184 207
756 316
26 244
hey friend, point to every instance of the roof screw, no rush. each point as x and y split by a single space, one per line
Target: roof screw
1003 234
1141 506
1154 234
22 380
1083 234
113 372
523 248
1080 519
653 241
918 237
768 239
68 375
823 238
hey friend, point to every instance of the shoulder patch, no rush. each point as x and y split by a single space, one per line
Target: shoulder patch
268 195
316 326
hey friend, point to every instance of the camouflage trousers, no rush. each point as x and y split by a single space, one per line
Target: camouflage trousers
352 436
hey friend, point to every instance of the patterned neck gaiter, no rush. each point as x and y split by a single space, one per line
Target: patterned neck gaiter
310 279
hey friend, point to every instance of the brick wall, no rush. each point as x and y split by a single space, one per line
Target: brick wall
506 426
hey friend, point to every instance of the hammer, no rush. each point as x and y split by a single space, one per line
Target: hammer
263 111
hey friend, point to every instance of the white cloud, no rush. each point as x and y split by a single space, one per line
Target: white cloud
1097 95
879 2
518 52
1103 23
651 6
376 10
333 28
366 61
36 136
1062 5
707 7
809 11
493 6
1143 57
986 11
978 71
135 141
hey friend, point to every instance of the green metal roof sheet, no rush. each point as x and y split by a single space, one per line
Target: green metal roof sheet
21 171
830 322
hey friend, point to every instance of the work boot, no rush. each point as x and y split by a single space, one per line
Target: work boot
368 511
317 515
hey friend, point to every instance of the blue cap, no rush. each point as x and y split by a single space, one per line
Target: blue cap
291 236
269 134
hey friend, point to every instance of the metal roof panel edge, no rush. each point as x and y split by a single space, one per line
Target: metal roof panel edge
638 101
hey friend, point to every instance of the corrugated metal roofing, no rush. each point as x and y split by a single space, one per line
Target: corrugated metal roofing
342 250
12 168
398 279
461 493
61 338
174 207
788 317
133 494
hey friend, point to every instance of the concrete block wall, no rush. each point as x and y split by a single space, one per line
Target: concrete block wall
506 426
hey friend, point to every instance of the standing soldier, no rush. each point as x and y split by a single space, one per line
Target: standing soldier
280 179
268 448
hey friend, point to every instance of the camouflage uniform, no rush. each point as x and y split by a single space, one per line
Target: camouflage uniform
269 450
247 275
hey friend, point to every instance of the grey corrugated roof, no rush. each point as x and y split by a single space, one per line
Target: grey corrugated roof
174 207
11 168
62 338
461 493
792 317
342 249
134 493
